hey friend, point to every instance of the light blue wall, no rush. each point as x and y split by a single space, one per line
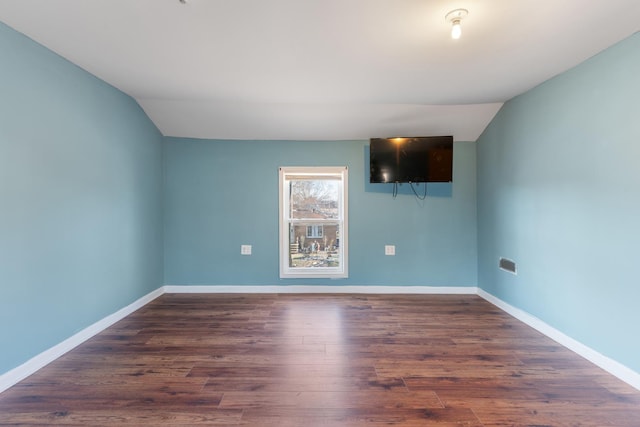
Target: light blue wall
559 193
221 194
81 223
81 200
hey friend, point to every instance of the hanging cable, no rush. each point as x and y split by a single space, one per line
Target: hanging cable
424 196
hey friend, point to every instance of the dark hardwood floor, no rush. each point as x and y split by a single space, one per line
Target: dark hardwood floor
320 360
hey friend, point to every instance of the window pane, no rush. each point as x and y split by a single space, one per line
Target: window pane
313 222
314 252
314 199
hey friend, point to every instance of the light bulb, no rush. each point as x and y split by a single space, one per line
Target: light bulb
454 18
456 30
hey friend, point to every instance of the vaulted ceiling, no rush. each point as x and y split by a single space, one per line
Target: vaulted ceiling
322 69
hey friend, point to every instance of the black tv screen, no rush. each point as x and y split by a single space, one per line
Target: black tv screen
418 159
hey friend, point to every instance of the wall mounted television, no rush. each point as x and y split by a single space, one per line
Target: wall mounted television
417 159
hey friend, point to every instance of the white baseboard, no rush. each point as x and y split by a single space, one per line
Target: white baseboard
614 368
320 289
39 361
21 372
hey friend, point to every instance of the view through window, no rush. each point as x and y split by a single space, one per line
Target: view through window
313 222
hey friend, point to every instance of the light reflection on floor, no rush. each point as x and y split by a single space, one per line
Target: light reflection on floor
318 323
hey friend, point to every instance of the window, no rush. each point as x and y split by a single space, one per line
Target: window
313 222
314 231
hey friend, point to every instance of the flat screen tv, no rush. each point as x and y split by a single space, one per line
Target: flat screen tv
418 159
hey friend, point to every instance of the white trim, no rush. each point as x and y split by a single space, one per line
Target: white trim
321 289
611 366
39 361
616 369
285 222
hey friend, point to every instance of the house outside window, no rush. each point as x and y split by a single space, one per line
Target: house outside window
313 222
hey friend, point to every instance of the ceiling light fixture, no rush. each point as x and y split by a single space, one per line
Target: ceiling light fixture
454 17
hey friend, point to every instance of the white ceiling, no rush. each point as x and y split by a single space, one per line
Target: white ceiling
322 69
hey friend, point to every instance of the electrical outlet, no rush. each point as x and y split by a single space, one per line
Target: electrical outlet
245 250
389 250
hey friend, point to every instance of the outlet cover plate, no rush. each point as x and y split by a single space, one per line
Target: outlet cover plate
389 249
245 250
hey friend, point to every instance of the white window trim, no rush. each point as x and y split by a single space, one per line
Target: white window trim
286 271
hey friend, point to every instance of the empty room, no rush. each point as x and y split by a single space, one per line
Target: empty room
319 213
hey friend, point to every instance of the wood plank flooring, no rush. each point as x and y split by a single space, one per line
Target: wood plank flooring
320 360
